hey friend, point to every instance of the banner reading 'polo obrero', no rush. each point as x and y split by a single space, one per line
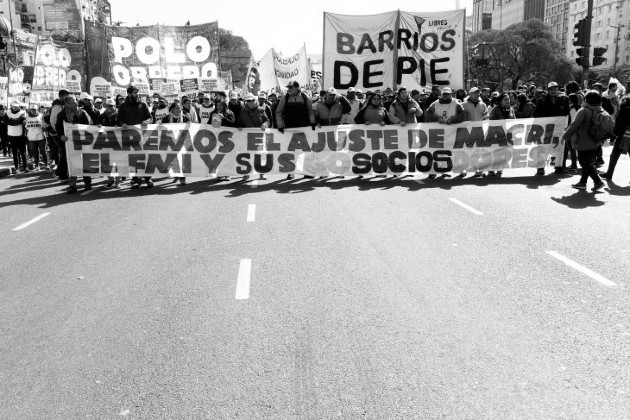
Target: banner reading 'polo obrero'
140 53
415 50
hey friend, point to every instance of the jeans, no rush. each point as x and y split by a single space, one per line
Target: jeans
39 151
62 166
18 148
54 148
587 161
4 145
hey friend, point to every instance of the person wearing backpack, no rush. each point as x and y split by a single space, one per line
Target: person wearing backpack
583 137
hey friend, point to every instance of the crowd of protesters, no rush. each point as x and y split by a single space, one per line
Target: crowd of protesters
37 134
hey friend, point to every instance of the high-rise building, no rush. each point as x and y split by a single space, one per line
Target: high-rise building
609 29
509 12
47 17
557 18
482 15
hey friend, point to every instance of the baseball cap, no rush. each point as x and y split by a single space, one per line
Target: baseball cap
447 90
473 89
97 100
400 89
552 84
110 101
351 89
332 91
63 92
233 95
262 95
250 97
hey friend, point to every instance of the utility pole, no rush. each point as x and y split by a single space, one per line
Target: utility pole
616 46
589 21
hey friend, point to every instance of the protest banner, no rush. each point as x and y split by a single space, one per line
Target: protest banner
207 84
52 70
416 50
4 86
73 86
189 87
276 71
102 90
204 151
143 88
20 82
170 89
139 53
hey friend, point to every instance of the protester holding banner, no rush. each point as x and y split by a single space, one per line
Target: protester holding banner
553 104
176 115
98 105
404 110
161 111
72 114
331 109
295 109
189 110
446 110
579 135
35 135
109 118
372 111
86 103
14 119
355 106
262 101
253 116
205 110
57 147
235 105
475 110
222 116
273 100
119 100
134 112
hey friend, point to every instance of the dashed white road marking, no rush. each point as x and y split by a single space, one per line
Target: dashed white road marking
242 284
466 206
30 222
251 213
581 269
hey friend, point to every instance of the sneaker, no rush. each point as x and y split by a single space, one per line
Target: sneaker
598 186
463 174
110 185
491 173
182 181
478 174
540 172
290 176
149 183
499 173
579 186
432 176
606 176
13 171
135 184
72 189
246 178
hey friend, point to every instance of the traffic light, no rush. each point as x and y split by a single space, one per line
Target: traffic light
598 60
580 36
582 59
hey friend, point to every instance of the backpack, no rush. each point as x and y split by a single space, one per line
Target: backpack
602 126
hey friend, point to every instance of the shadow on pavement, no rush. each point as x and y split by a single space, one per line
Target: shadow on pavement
579 200
237 187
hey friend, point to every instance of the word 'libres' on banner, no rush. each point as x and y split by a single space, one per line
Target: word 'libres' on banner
204 151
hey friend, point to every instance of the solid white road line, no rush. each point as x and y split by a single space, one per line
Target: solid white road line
466 206
581 269
242 284
254 183
30 222
251 213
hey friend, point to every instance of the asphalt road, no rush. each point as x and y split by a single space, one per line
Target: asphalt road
372 299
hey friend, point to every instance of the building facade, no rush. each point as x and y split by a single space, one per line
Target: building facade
609 29
557 18
482 15
509 12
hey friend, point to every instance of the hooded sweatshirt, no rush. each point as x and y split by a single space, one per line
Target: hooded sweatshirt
15 122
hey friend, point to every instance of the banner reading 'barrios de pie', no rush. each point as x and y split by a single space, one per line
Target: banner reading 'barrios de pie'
415 50
203 151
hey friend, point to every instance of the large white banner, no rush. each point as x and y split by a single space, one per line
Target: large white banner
415 50
203 151
275 70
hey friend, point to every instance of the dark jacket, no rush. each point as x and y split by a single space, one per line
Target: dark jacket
578 131
330 114
249 118
93 113
107 120
133 113
80 117
168 118
622 123
547 107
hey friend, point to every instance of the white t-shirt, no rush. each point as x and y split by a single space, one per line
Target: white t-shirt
204 114
34 129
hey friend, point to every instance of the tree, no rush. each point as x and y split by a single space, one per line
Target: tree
523 52
231 42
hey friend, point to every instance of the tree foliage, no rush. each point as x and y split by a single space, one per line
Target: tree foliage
523 52
231 42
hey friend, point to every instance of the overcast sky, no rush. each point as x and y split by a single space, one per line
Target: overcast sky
265 24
